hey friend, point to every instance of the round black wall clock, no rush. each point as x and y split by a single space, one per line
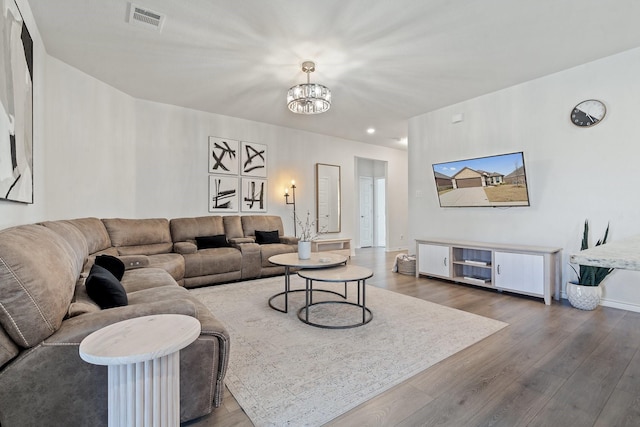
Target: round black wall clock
588 113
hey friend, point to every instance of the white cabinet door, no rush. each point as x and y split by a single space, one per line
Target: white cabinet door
519 272
433 260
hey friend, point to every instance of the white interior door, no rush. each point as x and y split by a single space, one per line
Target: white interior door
366 211
380 212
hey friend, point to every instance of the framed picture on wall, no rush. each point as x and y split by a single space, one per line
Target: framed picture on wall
223 155
223 193
253 160
254 195
16 106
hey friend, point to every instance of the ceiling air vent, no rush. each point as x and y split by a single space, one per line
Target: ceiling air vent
146 18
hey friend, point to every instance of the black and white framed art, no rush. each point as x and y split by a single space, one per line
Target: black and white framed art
223 193
254 195
16 106
253 159
223 155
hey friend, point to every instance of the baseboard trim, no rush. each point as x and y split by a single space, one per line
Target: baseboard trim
613 304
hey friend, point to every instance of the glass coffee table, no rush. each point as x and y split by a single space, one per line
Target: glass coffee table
291 260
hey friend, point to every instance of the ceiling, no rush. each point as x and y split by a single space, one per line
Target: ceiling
385 61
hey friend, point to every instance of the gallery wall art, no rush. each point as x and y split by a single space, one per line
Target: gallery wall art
254 195
16 106
223 155
223 193
240 169
254 159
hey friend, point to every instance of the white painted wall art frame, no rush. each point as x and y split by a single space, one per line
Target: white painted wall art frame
223 193
253 161
223 155
254 195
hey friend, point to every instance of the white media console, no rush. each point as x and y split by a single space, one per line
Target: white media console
528 270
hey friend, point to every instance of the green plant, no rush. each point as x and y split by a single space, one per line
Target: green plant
590 275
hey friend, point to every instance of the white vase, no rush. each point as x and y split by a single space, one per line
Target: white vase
584 297
304 250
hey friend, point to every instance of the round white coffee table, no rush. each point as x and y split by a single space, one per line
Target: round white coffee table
291 260
143 359
342 274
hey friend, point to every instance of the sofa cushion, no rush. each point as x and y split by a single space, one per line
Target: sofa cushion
210 242
212 261
139 236
76 240
111 263
187 229
82 302
94 233
145 278
233 226
274 249
105 289
38 281
251 223
171 263
267 237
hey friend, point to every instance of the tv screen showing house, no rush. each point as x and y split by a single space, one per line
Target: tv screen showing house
492 181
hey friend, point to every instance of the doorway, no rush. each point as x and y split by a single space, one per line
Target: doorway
372 206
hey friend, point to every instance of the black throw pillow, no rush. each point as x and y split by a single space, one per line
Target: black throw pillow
111 263
267 237
208 242
104 289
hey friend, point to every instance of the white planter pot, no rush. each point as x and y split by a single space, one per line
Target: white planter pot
304 250
584 297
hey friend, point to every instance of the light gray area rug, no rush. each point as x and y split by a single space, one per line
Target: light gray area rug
283 372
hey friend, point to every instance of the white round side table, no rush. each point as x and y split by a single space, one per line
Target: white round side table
143 359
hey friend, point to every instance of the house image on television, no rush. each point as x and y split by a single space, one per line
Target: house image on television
468 178
517 177
443 182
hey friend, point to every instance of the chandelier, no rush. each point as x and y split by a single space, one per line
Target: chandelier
309 98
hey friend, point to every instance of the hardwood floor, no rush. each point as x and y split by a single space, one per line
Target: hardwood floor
552 366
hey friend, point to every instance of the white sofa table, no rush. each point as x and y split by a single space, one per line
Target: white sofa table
143 359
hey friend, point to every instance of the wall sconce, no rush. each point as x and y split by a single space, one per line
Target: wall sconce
286 200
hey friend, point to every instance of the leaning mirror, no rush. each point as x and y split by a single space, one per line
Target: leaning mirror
328 198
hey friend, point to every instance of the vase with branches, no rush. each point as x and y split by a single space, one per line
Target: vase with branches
307 234
307 227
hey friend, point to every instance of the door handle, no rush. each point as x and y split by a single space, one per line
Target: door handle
445 261
498 269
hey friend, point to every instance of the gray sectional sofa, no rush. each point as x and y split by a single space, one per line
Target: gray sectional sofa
45 310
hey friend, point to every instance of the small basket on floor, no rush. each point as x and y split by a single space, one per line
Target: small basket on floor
406 264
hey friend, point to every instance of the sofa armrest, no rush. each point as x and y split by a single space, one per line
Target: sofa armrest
185 248
134 261
238 240
289 240
74 330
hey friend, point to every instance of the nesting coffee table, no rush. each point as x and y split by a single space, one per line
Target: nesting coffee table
342 274
291 260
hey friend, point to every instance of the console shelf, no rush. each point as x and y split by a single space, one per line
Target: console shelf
528 270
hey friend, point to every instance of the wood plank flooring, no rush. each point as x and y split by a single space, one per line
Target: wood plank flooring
552 366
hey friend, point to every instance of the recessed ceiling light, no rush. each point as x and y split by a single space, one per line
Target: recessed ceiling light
371 130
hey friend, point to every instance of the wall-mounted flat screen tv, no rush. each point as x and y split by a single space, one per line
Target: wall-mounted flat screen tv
493 181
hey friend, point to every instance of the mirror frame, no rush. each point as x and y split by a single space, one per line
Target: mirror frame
319 169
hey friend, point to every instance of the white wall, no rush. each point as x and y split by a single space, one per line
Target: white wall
172 166
100 152
573 174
